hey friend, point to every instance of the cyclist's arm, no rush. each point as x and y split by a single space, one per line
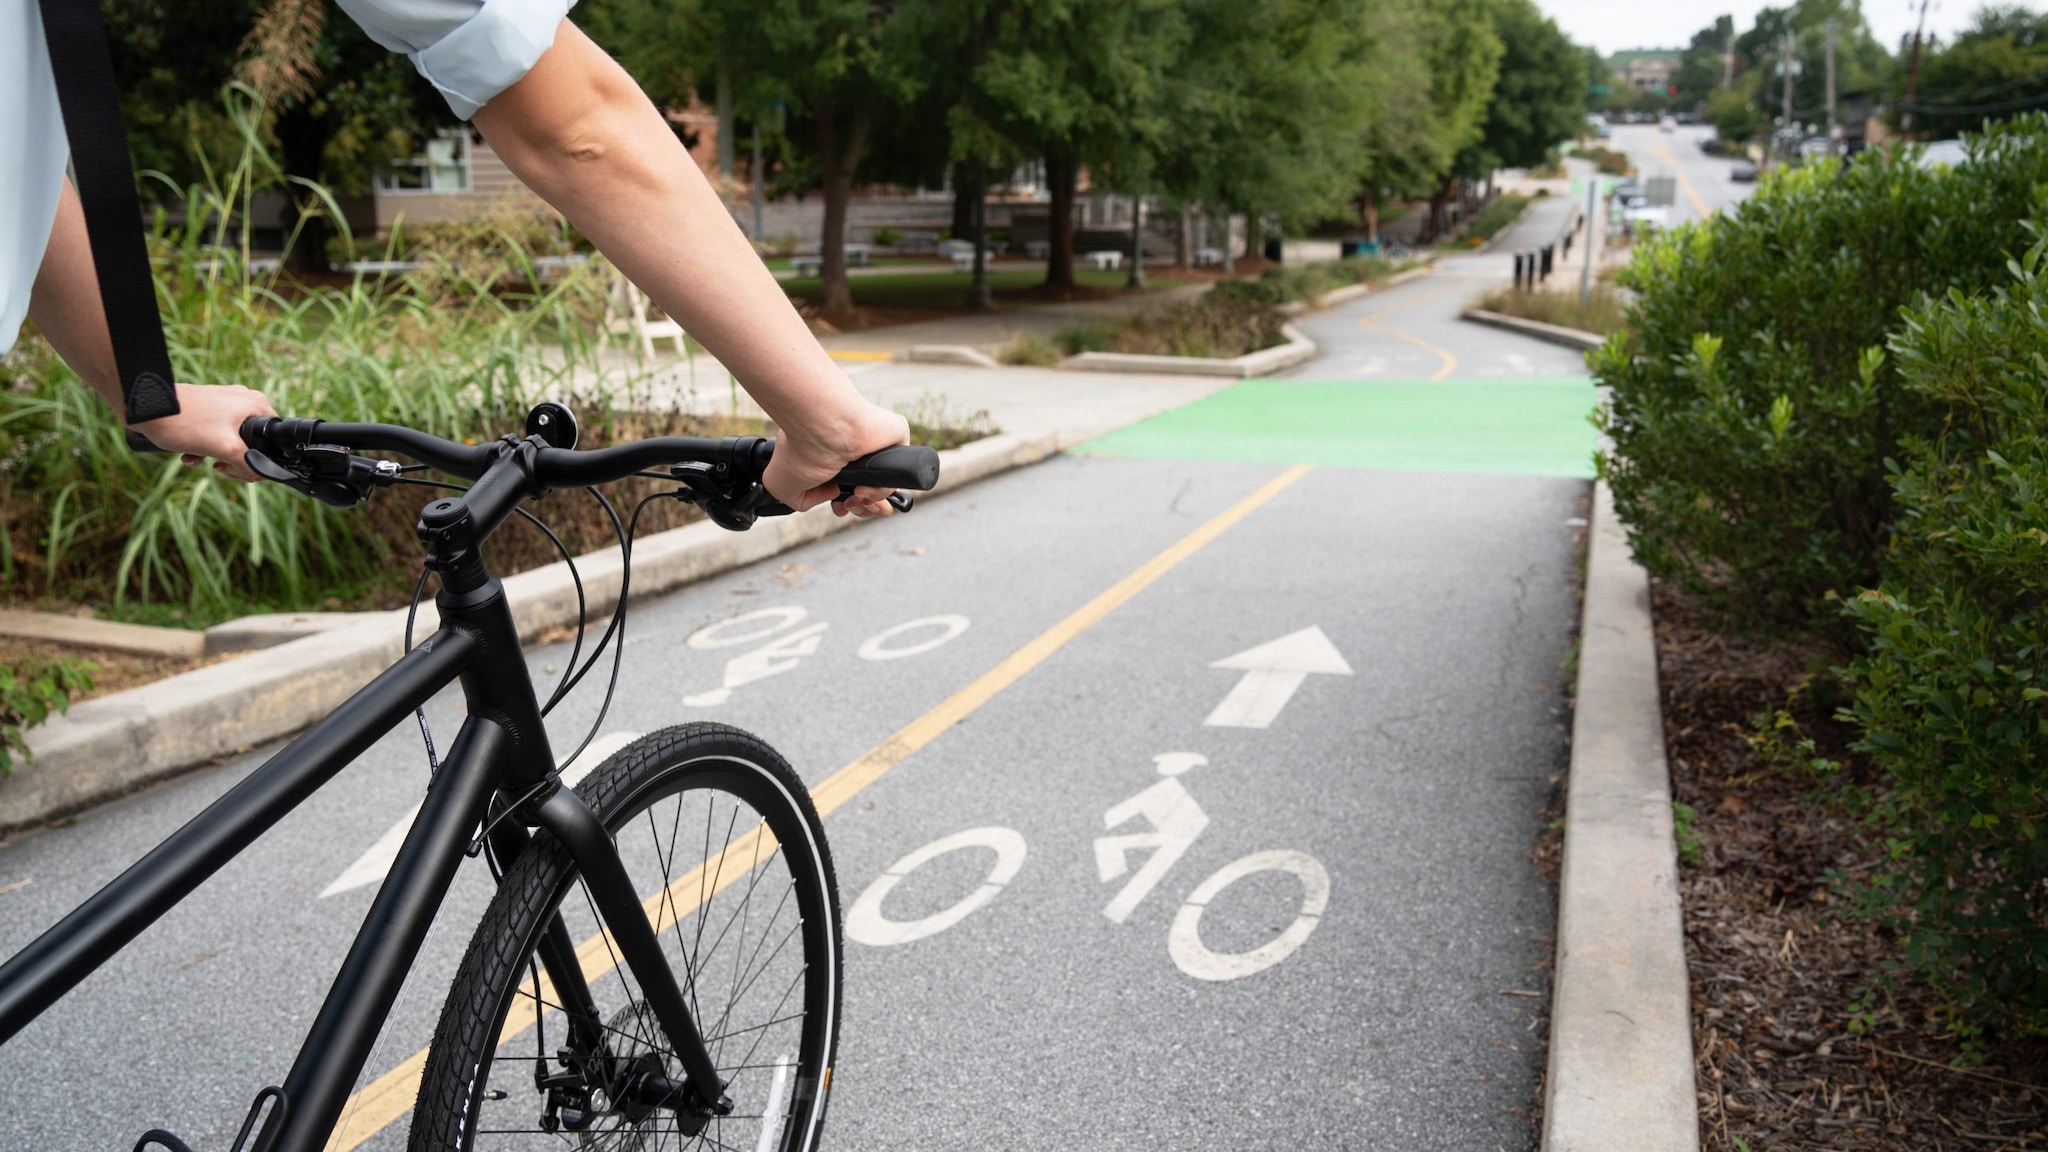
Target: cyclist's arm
65 305
578 130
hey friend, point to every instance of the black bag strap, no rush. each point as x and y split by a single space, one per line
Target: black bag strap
84 71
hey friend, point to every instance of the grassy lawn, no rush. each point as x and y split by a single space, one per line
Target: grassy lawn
784 264
940 291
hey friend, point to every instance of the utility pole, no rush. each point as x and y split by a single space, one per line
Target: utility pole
1785 62
1834 130
1592 239
1913 71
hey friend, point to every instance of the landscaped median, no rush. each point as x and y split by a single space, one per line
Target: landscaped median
111 745
1238 329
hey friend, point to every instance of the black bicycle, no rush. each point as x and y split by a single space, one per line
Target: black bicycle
660 965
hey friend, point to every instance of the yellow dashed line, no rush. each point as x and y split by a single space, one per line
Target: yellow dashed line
391 1095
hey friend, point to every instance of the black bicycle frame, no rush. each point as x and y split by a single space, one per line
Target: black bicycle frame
501 750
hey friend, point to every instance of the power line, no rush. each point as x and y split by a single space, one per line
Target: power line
1978 109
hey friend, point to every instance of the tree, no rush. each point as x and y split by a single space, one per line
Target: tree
1268 107
1077 83
1464 61
1537 102
1994 70
1702 65
337 106
1410 135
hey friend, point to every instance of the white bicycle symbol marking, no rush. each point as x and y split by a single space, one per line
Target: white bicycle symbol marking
1177 820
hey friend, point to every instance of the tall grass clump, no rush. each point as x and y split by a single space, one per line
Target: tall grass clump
460 350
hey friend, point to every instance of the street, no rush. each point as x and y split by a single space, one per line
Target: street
1340 709
1703 183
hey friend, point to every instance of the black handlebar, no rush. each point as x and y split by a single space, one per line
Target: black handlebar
742 459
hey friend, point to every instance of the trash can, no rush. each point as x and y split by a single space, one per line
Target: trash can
1273 249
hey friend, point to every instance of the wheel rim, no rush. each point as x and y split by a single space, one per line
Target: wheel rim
745 926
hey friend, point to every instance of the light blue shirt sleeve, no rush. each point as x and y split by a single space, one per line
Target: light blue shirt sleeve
470 50
32 153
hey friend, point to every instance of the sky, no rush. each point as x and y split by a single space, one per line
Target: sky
1611 25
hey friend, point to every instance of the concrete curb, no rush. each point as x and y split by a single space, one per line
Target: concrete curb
1299 349
1621 1062
1553 333
141 639
110 746
948 354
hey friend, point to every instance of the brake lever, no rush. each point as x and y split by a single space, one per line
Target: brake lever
334 476
899 500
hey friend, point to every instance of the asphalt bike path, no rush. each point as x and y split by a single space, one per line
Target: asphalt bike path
1242 860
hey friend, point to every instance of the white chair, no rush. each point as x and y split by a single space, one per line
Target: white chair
1208 257
627 313
806 265
1104 261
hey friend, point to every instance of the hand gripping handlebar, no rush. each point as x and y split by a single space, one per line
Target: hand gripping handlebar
723 474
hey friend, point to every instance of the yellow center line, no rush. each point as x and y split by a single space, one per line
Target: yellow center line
1450 362
858 354
391 1095
1698 204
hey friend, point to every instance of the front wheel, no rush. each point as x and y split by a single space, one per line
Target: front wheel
729 860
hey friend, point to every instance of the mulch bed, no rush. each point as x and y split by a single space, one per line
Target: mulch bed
1777 974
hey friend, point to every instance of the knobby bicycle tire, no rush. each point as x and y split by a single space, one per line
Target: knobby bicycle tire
728 909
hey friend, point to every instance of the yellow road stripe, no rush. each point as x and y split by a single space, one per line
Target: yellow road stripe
391 1095
1698 204
1450 362
858 355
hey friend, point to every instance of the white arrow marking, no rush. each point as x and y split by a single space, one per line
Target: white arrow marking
372 865
1272 671
771 659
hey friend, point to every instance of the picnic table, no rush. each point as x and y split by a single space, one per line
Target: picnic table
1104 261
1208 257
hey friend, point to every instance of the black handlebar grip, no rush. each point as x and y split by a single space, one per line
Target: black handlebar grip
255 430
910 466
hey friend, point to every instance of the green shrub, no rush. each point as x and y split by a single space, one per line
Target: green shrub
1952 691
1607 160
29 693
1604 312
887 236
1030 349
1752 408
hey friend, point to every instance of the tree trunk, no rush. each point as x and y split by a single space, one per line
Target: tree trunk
1229 257
978 295
302 141
1061 172
1137 278
840 153
1371 202
726 138
963 200
1254 232
1184 240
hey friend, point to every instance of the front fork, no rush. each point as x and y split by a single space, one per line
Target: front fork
701 1096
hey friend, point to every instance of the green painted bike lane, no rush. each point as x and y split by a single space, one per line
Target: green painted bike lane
1526 427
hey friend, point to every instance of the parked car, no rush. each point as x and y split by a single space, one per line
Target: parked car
1742 172
1711 145
1668 124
